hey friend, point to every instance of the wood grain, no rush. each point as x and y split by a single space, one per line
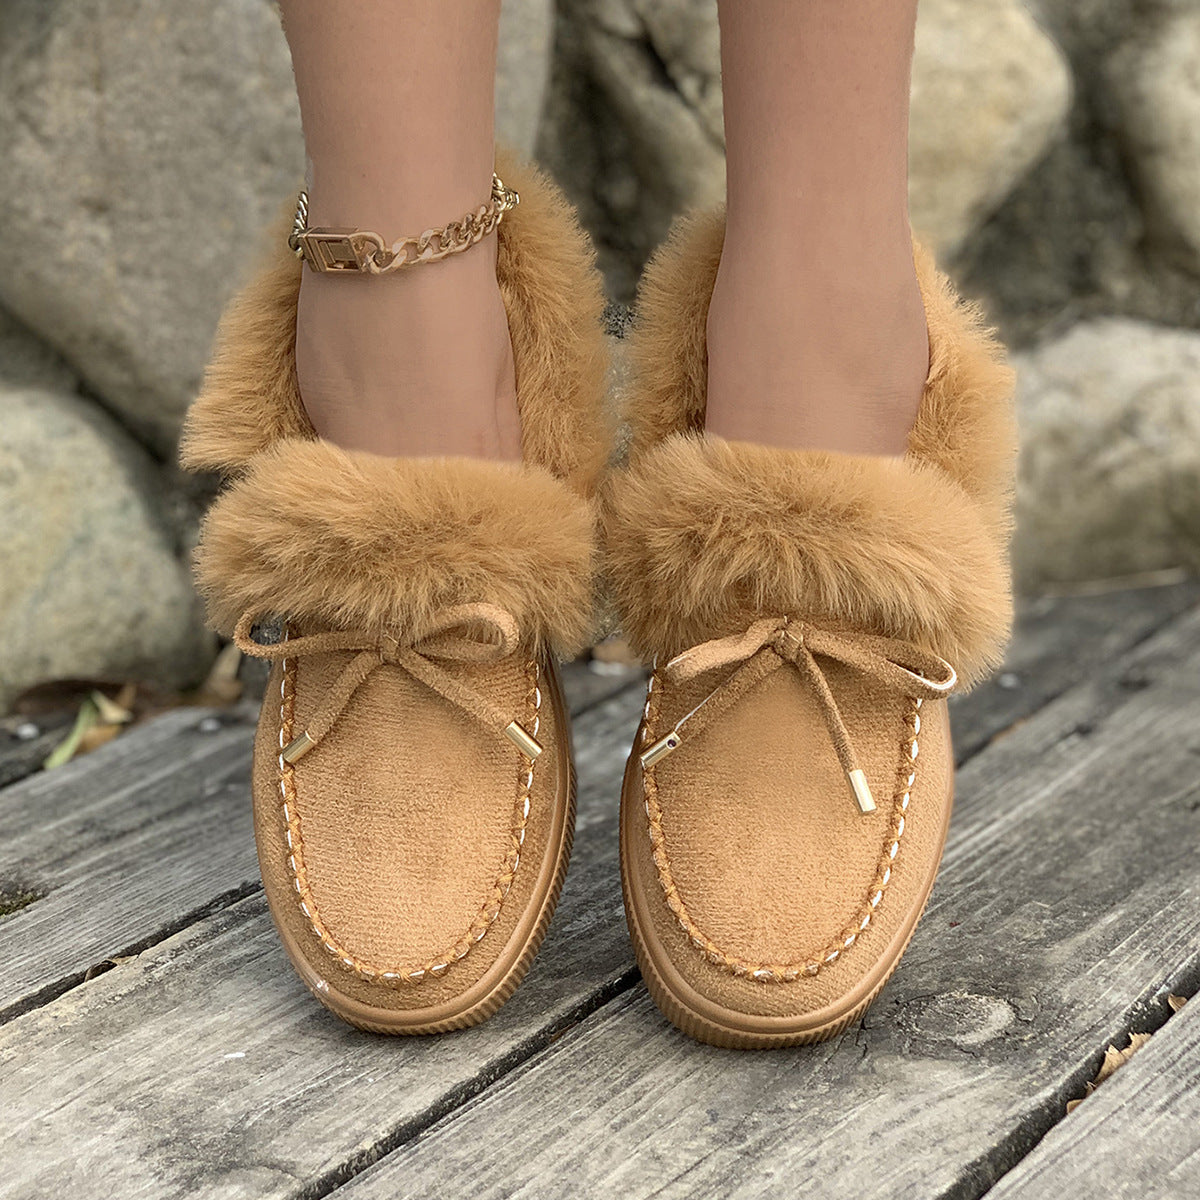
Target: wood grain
25 743
1059 641
1137 1138
123 1084
1069 897
133 842
126 846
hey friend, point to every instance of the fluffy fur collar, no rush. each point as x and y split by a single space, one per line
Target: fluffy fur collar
702 535
350 540
705 535
554 298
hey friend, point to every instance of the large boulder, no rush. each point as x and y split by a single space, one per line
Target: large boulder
1109 482
1155 82
90 585
990 93
26 361
633 124
522 69
1103 224
145 144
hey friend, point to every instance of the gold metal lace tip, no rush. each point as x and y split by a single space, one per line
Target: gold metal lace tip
523 741
862 791
660 749
297 748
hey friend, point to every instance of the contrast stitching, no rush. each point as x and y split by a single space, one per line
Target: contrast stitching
764 972
488 911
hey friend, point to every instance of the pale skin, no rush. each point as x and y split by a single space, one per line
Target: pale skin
816 332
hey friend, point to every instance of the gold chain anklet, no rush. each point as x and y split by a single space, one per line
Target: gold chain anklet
361 250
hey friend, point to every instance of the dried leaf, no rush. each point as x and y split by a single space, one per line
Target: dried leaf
66 750
96 737
1176 1002
102 968
1114 1059
222 686
613 655
111 712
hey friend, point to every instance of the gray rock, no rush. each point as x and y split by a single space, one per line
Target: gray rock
146 143
1109 482
633 124
632 127
990 93
26 361
90 584
1155 80
522 70
1082 235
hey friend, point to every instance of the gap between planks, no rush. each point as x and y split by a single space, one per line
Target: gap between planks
579 921
1070 880
109 843
1135 1138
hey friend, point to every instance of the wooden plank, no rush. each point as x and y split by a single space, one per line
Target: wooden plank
1137 1138
1059 641
112 842
202 1067
26 743
158 1028
125 846
1069 896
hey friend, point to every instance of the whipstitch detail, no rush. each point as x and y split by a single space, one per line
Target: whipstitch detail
764 972
410 973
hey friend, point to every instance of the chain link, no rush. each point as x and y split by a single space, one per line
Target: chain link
360 250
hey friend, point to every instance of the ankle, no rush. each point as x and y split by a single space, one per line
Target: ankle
415 364
816 350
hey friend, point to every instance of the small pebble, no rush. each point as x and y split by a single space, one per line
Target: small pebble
1008 681
27 731
209 725
237 1054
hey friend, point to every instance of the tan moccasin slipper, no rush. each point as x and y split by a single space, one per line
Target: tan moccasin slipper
786 804
413 783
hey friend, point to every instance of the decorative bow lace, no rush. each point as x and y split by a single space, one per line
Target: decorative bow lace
769 644
465 633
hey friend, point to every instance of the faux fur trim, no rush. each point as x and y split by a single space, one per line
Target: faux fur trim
554 298
705 535
351 540
702 535
965 423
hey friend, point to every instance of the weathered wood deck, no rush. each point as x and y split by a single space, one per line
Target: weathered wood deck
154 1041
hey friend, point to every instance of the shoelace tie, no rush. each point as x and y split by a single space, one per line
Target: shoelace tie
464 633
770 643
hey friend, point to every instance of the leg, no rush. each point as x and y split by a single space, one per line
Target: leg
396 98
816 332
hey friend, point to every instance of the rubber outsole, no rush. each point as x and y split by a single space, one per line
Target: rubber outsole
489 993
